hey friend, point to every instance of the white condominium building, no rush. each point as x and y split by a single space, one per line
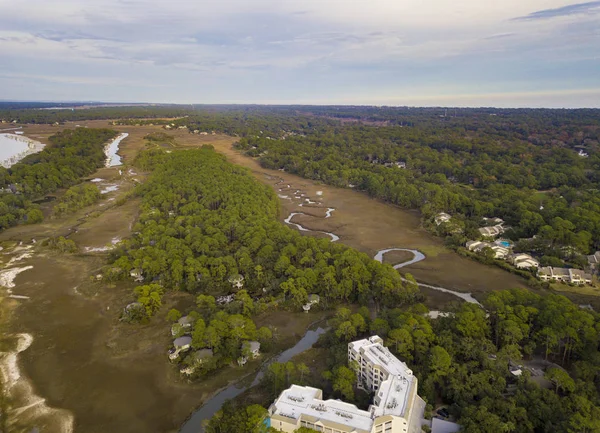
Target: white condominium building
396 407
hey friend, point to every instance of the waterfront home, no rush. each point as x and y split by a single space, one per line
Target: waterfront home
201 356
523 261
594 260
312 299
183 325
195 360
186 322
180 344
573 276
442 217
500 252
252 347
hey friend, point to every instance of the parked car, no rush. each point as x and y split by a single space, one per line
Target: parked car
443 412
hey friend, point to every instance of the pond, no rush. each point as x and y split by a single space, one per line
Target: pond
194 424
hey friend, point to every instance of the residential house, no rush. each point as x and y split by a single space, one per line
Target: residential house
195 360
492 231
594 260
253 347
396 406
180 344
573 276
442 217
183 325
523 261
312 299
500 252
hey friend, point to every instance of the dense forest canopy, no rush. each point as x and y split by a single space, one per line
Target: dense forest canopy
485 365
70 156
205 220
536 169
209 228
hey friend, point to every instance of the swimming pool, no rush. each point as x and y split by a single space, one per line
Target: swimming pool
504 244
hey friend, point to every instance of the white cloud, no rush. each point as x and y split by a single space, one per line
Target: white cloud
293 39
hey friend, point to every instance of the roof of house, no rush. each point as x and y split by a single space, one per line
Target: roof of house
492 231
578 273
182 341
594 258
572 274
477 245
185 320
254 346
517 257
203 354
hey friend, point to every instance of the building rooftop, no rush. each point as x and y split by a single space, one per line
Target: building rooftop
182 341
186 321
305 400
443 426
203 354
253 346
377 353
393 396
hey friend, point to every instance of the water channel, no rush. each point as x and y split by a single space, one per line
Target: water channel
194 424
288 220
112 159
418 256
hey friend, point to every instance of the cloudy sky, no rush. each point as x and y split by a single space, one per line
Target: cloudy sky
382 52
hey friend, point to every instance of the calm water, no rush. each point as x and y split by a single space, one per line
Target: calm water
194 424
11 145
112 159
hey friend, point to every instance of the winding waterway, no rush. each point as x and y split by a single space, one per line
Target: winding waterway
194 424
112 159
288 220
418 256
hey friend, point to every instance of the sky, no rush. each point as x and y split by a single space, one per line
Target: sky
509 53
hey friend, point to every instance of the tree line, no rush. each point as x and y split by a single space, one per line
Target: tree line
204 221
70 156
465 360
